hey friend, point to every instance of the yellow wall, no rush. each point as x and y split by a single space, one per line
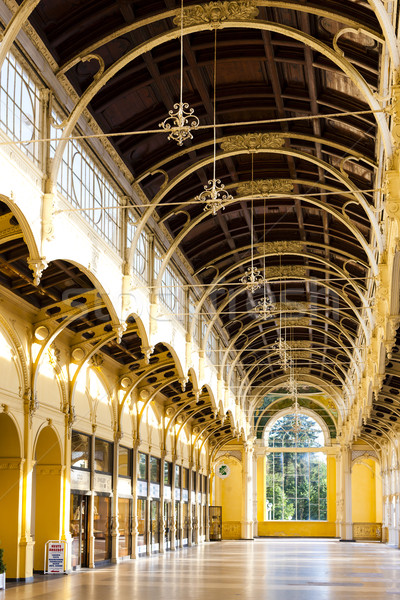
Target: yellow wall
297 528
364 492
228 493
10 493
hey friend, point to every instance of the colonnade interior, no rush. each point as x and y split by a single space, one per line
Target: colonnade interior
199 275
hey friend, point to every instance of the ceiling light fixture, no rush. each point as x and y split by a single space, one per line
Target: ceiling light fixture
214 195
253 279
180 124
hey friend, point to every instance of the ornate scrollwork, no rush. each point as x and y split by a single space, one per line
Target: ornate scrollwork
281 247
285 271
265 187
252 142
37 266
215 13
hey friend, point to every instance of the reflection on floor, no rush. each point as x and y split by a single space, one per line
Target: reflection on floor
268 569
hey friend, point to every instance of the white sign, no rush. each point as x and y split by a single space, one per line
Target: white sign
154 490
177 493
102 483
55 556
80 480
124 486
193 497
185 495
167 492
141 489
199 497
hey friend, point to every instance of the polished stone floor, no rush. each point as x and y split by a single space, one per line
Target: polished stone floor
271 569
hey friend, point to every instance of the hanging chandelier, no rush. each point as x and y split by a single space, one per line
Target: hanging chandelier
214 196
264 308
179 124
252 279
282 347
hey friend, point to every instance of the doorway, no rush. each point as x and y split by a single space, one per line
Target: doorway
155 525
79 530
167 524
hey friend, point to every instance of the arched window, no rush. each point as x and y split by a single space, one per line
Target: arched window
296 431
296 480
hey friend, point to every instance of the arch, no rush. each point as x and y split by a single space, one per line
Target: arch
304 379
27 234
286 151
302 411
11 491
48 487
342 63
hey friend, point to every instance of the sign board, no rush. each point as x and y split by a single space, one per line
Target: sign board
55 557
141 489
102 483
154 490
80 480
199 496
193 497
167 492
185 495
177 493
223 471
124 486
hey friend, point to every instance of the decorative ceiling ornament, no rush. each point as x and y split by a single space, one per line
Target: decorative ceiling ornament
293 307
215 13
264 308
282 348
298 321
214 195
286 271
264 187
179 124
252 142
281 247
252 280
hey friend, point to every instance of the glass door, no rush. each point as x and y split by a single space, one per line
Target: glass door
167 523
124 520
155 525
141 522
177 523
185 524
78 518
102 528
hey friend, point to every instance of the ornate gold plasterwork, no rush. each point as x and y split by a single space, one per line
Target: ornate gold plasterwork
293 306
252 142
300 321
286 271
216 13
264 187
298 344
281 247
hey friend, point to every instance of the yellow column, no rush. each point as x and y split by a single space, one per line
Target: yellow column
261 489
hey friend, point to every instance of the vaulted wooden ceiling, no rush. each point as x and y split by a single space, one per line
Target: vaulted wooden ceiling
290 179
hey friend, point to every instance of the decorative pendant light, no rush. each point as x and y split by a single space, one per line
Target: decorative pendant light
214 195
180 124
264 307
253 279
